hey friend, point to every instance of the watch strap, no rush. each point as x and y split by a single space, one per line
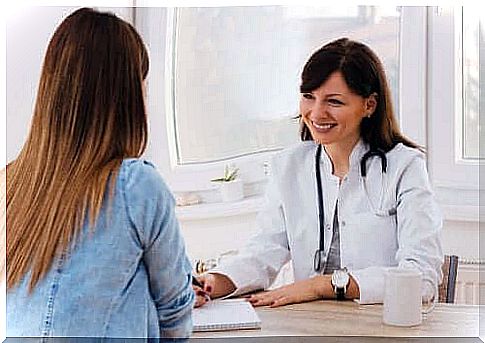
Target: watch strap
340 292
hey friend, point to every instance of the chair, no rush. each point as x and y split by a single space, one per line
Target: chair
446 289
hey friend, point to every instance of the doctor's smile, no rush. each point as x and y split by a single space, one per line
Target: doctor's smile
323 127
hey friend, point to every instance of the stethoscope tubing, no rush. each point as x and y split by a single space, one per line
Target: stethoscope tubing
318 260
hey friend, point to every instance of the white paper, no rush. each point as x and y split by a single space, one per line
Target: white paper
230 314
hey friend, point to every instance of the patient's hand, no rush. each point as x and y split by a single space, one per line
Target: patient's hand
201 297
216 285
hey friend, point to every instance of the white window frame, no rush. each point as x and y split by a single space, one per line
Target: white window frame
412 74
196 177
454 179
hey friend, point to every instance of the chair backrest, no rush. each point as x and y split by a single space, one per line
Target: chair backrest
447 287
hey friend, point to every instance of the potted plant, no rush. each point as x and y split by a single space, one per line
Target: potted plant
231 185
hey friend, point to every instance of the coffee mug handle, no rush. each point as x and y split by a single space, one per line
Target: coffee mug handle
431 304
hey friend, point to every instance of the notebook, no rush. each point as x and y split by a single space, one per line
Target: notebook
229 314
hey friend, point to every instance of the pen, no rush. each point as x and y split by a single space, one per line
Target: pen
196 282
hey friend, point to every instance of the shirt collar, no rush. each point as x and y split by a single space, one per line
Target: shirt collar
356 155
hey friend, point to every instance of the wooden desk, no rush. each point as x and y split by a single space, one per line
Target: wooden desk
348 318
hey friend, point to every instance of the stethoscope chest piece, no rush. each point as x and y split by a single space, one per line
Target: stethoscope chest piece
319 260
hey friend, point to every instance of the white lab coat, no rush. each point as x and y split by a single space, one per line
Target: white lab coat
288 226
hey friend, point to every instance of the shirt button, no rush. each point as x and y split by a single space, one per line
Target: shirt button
343 222
327 227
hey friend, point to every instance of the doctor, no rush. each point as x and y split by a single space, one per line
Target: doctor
349 201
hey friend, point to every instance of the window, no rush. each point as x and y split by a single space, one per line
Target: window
235 72
473 62
453 95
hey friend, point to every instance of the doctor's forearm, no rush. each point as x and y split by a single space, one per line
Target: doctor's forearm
324 289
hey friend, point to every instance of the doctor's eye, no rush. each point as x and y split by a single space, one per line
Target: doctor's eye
335 102
308 96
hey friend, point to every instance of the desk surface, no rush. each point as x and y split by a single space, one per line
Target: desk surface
332 318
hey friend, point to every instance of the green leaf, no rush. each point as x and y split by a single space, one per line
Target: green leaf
229 175
233 175
226 172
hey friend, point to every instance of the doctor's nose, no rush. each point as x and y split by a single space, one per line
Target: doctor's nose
319 110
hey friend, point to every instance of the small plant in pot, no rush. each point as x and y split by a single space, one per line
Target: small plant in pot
231 185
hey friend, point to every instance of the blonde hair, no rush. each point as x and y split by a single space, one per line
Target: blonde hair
89 115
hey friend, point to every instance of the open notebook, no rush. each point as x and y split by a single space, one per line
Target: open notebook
230 314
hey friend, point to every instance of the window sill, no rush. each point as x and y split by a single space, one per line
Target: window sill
463 213
220 209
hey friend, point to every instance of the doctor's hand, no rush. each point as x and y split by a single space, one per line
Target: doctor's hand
298 292
216 285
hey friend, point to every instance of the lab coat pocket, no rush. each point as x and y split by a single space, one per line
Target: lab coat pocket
373 240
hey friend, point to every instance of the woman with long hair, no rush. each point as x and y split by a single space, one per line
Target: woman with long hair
93 247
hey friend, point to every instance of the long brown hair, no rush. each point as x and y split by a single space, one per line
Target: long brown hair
89 115
364 74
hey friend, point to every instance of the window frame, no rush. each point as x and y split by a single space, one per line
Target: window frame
196 177
455 180
461 104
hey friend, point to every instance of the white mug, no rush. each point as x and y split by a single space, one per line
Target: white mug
402 298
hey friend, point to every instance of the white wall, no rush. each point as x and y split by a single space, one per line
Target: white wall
28 32
151 24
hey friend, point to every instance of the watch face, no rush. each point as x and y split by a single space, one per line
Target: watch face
340 278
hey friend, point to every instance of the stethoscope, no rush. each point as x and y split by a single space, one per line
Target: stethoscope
319 259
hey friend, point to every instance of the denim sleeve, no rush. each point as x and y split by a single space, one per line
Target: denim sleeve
151 210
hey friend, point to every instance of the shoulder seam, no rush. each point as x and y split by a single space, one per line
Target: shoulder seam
123 179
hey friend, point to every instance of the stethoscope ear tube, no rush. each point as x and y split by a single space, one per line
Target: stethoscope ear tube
373 152
379 211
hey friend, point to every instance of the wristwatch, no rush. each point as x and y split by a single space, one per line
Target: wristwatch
340 281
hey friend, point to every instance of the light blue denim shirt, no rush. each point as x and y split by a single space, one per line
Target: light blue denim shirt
130 277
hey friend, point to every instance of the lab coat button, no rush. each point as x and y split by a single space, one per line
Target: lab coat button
343 222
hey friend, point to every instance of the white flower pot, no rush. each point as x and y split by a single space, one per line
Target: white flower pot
232 190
